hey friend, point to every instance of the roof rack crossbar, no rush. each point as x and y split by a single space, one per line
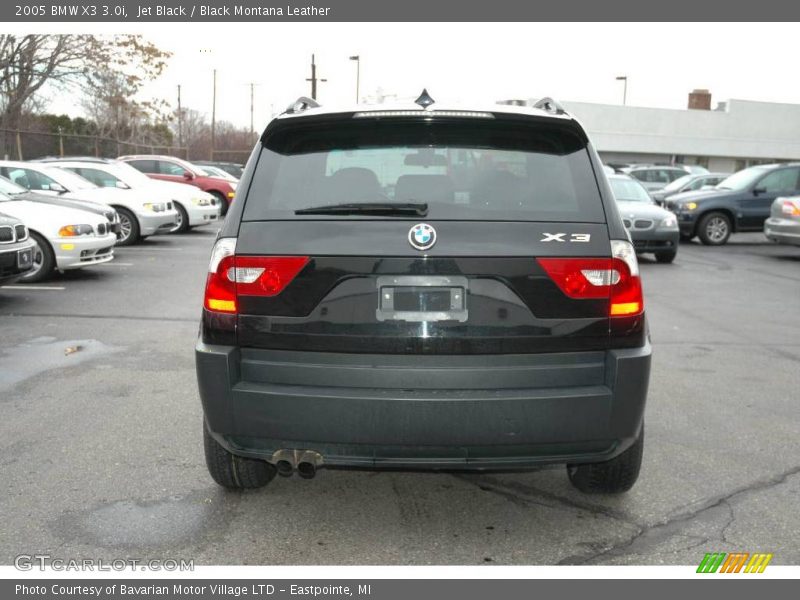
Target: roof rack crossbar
301 104
550 105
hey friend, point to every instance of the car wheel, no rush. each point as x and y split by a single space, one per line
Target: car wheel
222 201
182 221
235 472
44 260
666 257
612 476
714 229
128 228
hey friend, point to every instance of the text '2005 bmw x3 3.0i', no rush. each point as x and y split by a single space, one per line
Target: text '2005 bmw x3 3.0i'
423 287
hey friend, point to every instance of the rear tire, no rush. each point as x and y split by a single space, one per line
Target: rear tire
44 260
612 476
129 228
183 220
714 229
666 257
235 472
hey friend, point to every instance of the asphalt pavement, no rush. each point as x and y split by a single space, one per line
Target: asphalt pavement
102 444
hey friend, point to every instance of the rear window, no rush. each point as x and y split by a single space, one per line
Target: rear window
464 169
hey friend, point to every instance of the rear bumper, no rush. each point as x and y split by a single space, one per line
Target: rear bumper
445 412
783 231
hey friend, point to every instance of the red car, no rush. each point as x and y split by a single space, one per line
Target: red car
169 168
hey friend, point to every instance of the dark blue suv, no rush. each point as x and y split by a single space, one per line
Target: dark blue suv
739 203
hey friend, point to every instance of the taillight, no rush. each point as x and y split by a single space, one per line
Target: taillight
231 276
791 208
615 278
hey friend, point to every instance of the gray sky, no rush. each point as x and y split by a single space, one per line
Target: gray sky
486 62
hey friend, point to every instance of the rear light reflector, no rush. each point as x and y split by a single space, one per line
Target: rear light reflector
231 276
615 278
265 275
791 208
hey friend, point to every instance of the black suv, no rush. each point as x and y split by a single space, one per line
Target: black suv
423 287
739 203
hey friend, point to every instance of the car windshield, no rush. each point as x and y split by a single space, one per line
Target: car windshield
678 183
470 169
627 190
742 179
69 180
9 188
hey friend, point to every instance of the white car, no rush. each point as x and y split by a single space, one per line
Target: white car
63 238
140 214
16 249
194 206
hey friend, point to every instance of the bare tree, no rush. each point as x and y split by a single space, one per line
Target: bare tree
30 63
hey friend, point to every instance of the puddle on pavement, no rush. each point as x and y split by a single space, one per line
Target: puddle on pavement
18 363
132 524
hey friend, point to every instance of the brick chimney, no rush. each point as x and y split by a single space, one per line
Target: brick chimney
700 100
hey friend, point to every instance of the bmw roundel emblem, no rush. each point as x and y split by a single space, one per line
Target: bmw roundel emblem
422 236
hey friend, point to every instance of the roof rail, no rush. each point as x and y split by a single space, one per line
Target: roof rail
550 105
301 104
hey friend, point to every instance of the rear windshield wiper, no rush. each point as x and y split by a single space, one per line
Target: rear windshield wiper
367 208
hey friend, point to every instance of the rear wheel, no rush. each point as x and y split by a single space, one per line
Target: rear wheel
128 228
44 260
714 229
612 476
182 220
666 257
235 472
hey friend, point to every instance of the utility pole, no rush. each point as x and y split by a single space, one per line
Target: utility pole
357 58
252 85
213 117
313 79
180 119
624 89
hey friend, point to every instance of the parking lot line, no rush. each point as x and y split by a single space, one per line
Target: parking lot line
157 249
33 287
114 264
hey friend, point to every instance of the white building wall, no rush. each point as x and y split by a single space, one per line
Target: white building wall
744 131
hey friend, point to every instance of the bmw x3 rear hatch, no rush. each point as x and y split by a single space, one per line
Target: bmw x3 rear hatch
421 233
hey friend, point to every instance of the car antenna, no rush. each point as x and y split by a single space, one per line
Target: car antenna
424 99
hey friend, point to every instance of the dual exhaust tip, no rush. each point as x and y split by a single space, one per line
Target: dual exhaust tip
305 462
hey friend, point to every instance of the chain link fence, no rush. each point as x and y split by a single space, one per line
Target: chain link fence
27 145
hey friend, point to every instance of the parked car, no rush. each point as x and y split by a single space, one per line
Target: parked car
652 228
194 207
63 238
438 287
10 188
654 177
233 169
139 215
783 224
688 183
16 249
739 203
169 168
217 172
